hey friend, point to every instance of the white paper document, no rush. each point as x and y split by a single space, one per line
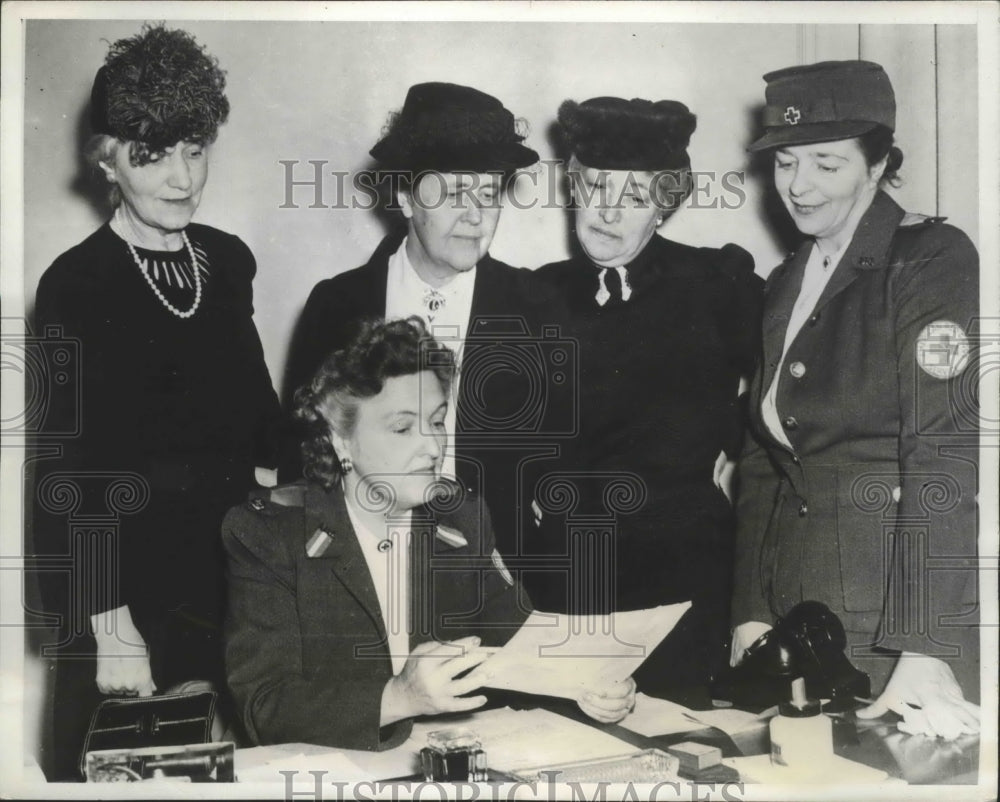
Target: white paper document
336 765
652 716
732 721
834 769
563 655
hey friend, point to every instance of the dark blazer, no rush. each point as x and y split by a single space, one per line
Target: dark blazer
501 302
500 399
306 648
868 424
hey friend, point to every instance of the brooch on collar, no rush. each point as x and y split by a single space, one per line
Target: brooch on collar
434 302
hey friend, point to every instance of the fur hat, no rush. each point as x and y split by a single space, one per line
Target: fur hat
611 133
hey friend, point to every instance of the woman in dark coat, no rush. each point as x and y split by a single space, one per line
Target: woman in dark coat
177 407
863 473
358 598
665 331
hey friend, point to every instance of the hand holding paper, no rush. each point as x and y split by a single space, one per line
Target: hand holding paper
429 683
610 703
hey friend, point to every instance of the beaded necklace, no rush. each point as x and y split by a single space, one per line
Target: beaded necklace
144 269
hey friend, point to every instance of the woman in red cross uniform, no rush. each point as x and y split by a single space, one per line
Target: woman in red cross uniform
861 476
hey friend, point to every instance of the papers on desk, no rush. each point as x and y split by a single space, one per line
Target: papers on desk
512 739
834 770
652 717
562 655
517 739
268 769
732 721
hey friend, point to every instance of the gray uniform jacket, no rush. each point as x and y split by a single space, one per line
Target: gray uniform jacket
306 647
878 490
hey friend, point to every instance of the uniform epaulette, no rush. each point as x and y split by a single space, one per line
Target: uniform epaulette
292 495
911 219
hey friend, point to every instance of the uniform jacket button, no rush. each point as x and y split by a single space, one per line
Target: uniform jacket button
797 369
803 510
814 319
790 423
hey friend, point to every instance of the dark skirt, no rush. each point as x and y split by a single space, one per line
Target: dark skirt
676 547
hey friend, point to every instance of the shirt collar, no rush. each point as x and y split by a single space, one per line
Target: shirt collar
412 284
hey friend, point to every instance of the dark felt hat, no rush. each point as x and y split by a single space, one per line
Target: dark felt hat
825 101
450 128
612 133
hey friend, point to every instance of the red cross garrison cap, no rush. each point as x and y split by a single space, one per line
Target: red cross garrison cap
826 101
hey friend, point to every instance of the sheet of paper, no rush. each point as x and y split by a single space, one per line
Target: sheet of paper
263 763
836 769
336 765
732 721
652 716
517 739
562 655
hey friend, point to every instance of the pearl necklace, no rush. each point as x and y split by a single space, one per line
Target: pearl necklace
141 264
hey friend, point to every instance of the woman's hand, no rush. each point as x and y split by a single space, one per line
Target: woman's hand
122 655
609 703
924 691
722 474
745 635
427 683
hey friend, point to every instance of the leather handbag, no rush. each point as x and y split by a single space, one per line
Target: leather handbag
135 722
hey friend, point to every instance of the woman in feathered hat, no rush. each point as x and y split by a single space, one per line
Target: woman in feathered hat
176 401
665 331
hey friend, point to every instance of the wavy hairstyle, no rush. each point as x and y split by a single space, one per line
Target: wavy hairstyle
158 88
381 350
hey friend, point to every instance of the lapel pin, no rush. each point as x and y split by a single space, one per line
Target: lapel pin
452 537
320 541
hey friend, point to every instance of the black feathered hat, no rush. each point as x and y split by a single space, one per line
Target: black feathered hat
450 128
611 133
158 88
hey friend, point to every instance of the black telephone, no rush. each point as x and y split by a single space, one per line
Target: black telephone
808 642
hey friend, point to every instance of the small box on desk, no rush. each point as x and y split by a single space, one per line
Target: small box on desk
713 774
695 757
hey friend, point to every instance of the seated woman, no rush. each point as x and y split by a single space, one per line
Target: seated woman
360 597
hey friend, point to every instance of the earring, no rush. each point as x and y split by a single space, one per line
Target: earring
346 466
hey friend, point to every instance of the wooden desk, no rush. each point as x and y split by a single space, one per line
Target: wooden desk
915 759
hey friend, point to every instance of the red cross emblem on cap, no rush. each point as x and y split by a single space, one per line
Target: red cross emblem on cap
792 115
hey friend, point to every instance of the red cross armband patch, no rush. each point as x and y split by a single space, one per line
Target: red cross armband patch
942 349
